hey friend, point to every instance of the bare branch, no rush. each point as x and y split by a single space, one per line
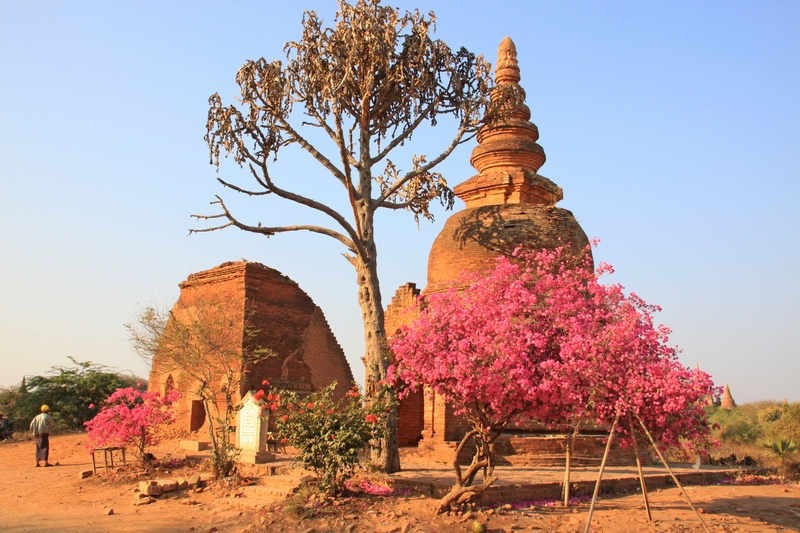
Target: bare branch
243 191
311 149
270 231
421 170
405 134
308 202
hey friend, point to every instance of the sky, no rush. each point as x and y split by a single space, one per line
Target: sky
672 128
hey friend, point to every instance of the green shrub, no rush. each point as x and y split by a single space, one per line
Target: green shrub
770 414
737 426
328 435
788 426
781 448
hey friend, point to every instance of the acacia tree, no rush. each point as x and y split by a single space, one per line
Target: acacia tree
367 84
539 338
203 342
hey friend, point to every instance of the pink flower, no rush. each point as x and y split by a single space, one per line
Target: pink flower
91 406
265 383
285 418
371 419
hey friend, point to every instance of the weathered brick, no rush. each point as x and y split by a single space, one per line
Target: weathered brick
285 319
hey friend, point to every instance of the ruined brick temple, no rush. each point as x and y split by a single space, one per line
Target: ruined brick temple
508 204
284 319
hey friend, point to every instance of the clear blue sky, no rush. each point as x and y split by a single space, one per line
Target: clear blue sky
671 126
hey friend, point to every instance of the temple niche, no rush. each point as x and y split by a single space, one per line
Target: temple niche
507 204
279 316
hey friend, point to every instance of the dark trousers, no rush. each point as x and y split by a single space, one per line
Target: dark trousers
42 447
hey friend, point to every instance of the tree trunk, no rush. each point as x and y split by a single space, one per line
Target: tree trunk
385 455
463 491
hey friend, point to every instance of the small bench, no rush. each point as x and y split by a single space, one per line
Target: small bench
273 444
108 456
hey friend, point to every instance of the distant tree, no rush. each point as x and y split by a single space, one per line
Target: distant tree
771 413
367 84
68 391
203 341
738 426
130 418
788 425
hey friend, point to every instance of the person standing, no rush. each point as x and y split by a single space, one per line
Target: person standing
41 425
5 428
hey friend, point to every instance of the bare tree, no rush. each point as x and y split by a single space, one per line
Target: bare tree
368 84
211 346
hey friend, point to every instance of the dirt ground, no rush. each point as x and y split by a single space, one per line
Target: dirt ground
57 500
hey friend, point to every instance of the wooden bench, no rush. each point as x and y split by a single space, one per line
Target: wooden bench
108 456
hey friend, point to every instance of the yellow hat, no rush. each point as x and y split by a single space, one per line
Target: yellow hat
45 408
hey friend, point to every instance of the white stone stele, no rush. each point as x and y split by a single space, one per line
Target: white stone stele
251 432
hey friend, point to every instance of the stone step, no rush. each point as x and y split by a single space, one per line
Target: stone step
272 490
266 491
245 502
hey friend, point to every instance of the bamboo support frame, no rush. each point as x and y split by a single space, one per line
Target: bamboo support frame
600 474
568 465
639 467
672 474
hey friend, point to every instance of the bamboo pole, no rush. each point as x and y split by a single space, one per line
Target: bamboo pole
566 472
671 473
639 467
570 448
600 474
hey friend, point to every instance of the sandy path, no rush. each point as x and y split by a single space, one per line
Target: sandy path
57 500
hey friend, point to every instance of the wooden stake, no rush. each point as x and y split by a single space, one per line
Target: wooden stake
639 467
671 473
600 474
566 472
570 448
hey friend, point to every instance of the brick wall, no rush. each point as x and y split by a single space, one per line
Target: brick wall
529 450
280 317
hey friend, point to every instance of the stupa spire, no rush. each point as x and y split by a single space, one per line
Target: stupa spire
507 68
507 156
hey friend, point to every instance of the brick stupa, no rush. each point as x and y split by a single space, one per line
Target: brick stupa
284 319
508 204
727 401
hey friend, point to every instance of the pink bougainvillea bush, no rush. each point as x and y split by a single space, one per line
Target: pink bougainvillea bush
539 338
619 365
129 418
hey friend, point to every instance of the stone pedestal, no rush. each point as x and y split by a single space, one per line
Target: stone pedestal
252 432
256 457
